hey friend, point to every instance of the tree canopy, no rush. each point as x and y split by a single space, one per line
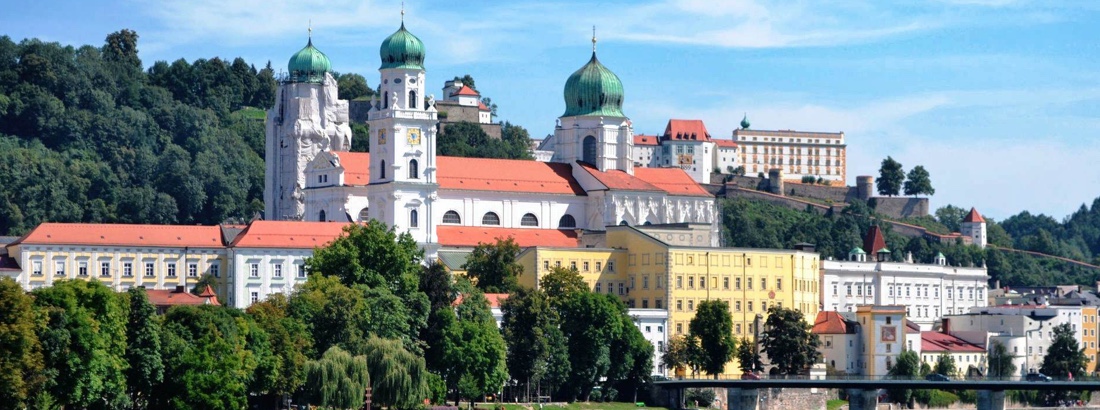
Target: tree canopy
919 182
493 266
890 177
713 326
787 340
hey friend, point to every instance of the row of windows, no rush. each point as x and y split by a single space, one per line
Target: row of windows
105 269
799 170
491 218
802 285
921 291
276 270
583 267
747 328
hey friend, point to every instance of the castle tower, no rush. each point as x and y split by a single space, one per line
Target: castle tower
403 136
307 119
593 128
973 226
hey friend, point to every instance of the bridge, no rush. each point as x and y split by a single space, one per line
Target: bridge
863 393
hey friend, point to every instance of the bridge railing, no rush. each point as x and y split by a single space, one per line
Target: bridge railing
1086 378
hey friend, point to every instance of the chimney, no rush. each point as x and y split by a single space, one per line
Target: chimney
181 289
947 325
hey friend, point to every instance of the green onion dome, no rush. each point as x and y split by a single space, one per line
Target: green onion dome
308 65
402 50
745 122
593 90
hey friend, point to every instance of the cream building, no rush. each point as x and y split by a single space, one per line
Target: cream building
798 154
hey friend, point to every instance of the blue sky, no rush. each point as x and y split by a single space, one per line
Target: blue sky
998 99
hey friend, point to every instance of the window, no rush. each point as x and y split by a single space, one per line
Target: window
301 270
105 269
278 270
255 297
585 265
611 266
148 269
192 270
567 221
59 268
834 289
321 216
451 217
254 270
382 168
412 100
659 304
749 305
726 283
691 282
645 305
414 169
778 283
691 305
36 268
764 306
490 218
622 289
82 268
679 328
599 266
737 283
171 269
679 304
128 269
679 282
529 220
414 218
848 290
216 270
702 282
589 150
645 282
737 306
737 328
573 265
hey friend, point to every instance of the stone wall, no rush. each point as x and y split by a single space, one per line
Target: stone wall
790 399
492 129
841 194
357 111
900 207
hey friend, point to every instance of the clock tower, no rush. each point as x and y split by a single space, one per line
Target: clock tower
402 142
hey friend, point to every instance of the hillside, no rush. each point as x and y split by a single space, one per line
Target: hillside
759 224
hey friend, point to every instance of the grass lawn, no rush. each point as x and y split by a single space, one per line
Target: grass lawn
835 404
251 113
572 406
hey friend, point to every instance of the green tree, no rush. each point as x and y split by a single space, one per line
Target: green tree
528 318
492 107
398 377
713 326
683 354
332 313
1064 359
477 351
919 182
143 349
337 380
84 343
950 216
493 266
1000 362
21 366
590 322
353 86
747 357
438 286
204 281
945 365
289 343
561 282
631 359
890 177
907 368
787 340
466 80
207 363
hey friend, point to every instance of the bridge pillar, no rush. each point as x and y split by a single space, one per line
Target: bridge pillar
742 399
991 400
860 399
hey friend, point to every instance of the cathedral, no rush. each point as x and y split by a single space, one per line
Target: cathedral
589 184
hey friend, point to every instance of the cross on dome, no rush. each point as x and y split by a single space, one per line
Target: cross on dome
593 38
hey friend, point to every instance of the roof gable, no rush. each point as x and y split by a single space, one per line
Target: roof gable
831 323
645 139
52 233
686 130
973 216
874 240
466 90
289 234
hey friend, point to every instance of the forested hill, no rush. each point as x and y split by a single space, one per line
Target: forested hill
750 223
86 135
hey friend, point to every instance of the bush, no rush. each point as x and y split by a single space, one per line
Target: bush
700 397
935 398
808 179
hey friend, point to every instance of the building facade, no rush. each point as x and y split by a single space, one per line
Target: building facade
799 154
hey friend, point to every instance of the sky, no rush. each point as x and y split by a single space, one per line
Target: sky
998 99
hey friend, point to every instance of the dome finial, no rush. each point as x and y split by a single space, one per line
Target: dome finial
310 30
593 39
745 121
402 12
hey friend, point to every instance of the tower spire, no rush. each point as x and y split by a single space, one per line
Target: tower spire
593 39
310 30
402 12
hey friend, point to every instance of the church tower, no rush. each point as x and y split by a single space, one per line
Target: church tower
307 119
973 226
402 145
593 128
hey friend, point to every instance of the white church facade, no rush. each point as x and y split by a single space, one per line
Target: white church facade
590 183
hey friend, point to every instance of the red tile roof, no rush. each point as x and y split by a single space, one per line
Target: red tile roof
686 130
645 139
943 342
473 235
973 216
180 296
672 180
481 106
466 90
50 233
874 241
506 175
289 234
830 323
495 299
356 167
616 179
723 143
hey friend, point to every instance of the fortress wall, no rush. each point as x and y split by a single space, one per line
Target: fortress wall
900 207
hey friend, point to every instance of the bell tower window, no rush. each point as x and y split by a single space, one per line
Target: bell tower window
321 216
589 150
414 171
412 99
382 170
414 219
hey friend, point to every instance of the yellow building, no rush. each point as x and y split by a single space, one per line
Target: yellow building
1088 336
660 267
120 255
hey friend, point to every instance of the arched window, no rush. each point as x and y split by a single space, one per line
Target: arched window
382 170
321 216
451 217
412 99
414 219
589 150
385 100
490 218
623 223
414 169
567 221
364 215
529 220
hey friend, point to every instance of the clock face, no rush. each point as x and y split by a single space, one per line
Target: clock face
414 136
381 137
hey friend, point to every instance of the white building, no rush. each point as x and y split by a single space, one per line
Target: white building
866 342
268 257
927 291
840 342
653 323
973 227
1026 331
687 145
590 182
797 153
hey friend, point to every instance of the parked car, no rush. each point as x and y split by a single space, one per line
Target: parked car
750 376
936 377
1037 377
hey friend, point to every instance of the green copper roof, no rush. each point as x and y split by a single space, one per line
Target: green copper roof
308 65
745 122
857 251
939 255
402 50
593 90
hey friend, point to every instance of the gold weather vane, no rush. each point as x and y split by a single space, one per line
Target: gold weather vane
593 38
